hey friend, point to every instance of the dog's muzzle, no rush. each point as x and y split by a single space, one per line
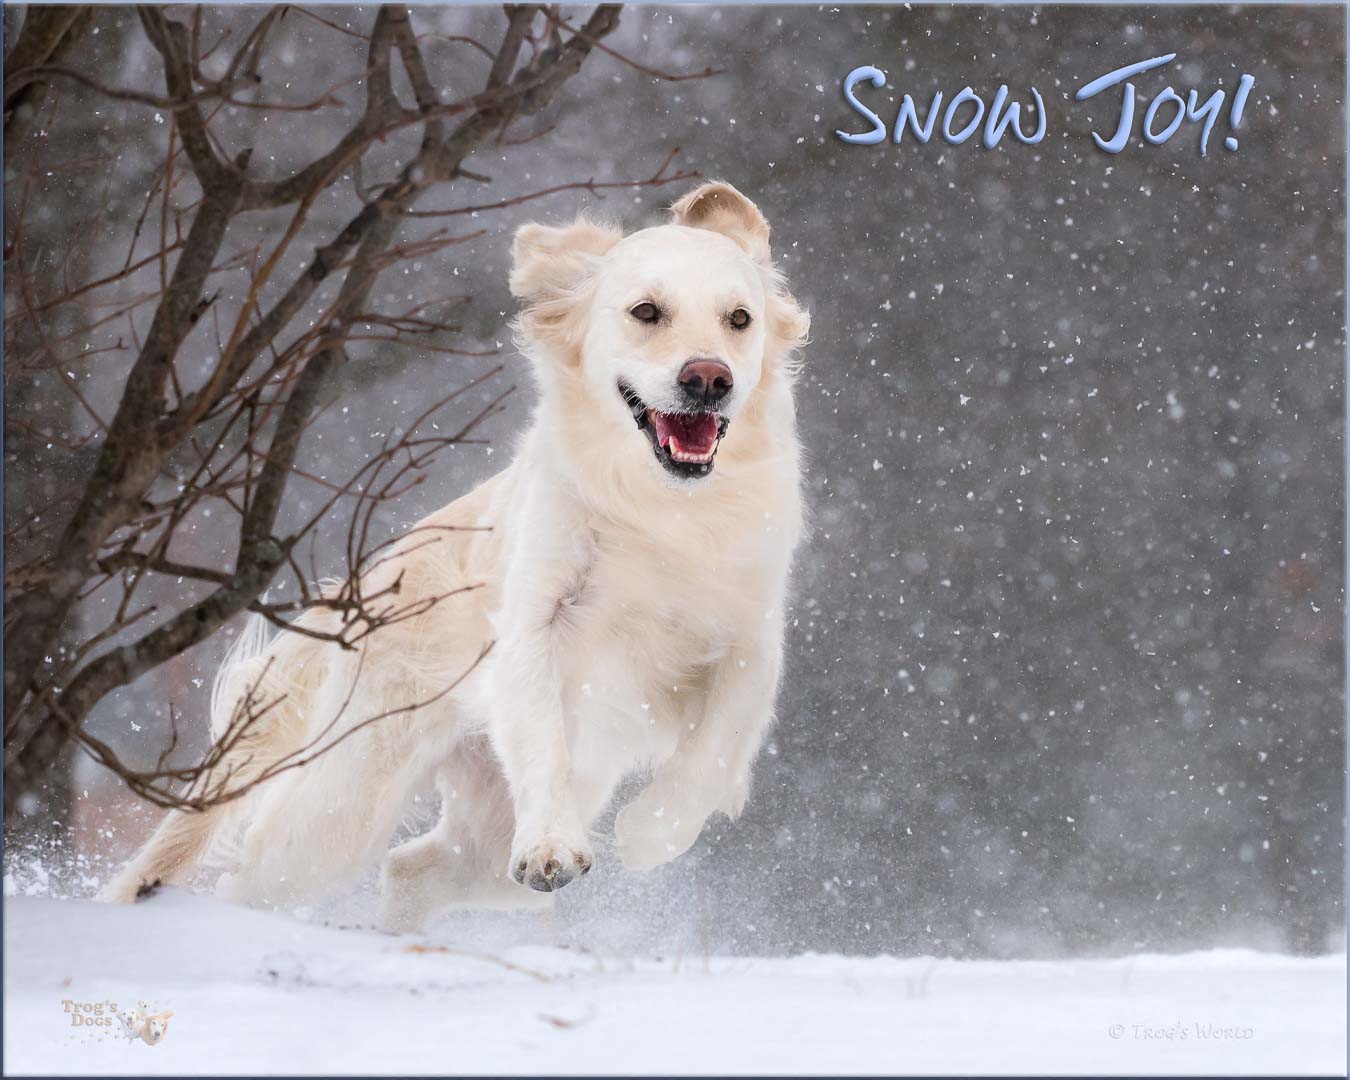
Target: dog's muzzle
685 442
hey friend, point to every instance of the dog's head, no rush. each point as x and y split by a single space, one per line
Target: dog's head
665 336
156 1026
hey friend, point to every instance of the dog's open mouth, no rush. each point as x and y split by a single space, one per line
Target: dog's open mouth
685 443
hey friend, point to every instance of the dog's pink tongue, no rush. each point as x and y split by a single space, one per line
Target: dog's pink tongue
696 434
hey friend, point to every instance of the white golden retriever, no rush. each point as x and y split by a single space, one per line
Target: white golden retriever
633 564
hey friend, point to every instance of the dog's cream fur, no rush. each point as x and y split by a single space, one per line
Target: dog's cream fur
637 618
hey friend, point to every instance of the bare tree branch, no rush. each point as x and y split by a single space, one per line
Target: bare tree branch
49 31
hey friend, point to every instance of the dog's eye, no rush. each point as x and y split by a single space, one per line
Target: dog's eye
739 319
646 312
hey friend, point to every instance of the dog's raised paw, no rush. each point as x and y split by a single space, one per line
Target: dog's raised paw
548 865
648 832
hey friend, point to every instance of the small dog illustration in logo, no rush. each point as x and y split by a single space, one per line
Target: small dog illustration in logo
132 1021
139 1024
155 1026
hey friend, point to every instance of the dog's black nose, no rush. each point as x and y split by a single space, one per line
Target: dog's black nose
707 381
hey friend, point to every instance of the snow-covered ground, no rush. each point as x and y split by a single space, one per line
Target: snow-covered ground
255 992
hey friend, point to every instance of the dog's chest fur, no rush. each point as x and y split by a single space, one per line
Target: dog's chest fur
654 609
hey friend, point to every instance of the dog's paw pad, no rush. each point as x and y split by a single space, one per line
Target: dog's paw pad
548 866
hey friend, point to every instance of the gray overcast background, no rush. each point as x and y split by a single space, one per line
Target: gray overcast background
1066 646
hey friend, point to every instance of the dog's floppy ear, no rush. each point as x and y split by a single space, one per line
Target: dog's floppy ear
548 260
551 266
720 207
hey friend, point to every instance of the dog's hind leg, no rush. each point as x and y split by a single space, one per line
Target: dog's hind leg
249 739
430 875
171 854
321 824
461 862
184 838
421 878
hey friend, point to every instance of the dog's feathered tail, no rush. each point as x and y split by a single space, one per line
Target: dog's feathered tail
258 703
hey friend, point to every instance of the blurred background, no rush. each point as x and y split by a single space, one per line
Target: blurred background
1066 650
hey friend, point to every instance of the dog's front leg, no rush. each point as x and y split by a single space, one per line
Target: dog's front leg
547 569
710 769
